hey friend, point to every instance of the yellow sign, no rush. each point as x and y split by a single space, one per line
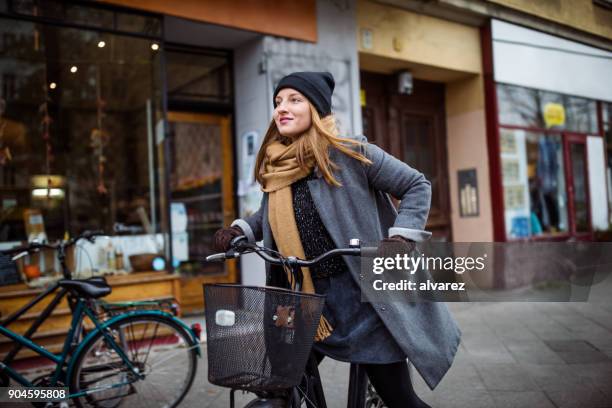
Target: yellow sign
363 99
554 115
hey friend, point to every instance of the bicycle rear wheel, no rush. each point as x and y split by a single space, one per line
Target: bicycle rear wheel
160 349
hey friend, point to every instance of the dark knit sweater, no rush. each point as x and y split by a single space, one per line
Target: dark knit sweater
313 234
358 335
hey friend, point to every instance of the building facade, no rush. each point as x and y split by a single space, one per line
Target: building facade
508 114
144 117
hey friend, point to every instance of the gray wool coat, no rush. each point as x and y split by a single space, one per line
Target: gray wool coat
362 209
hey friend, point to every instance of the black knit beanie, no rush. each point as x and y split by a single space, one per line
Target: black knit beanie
316 86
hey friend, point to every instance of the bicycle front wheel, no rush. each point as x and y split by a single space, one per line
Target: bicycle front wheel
163 363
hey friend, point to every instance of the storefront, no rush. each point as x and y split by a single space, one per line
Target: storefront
550 167
141 119
123 120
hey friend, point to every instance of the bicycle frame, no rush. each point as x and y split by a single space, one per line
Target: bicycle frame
80 310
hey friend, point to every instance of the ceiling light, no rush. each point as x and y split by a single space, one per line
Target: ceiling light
73 69
51 192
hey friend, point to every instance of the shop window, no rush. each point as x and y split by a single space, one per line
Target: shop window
198 77
581 115
518 106
86 15
532 108
535 198
80 134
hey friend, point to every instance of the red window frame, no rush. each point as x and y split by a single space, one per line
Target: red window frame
567 137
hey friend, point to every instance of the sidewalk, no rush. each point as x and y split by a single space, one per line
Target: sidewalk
512 355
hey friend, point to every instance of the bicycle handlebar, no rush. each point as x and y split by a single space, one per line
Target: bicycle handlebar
241 247
21 251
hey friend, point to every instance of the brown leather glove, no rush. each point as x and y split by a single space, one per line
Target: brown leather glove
395 244
223 237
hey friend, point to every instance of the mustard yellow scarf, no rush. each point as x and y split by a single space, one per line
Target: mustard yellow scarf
282 170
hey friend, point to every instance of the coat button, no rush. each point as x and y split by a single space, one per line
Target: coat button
383 308
361 276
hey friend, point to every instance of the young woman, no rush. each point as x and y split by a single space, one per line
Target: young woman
320 190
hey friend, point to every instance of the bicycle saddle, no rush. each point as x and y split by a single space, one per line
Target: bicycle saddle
92 289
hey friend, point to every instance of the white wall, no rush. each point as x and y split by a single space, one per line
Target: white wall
533 59
597 183
252 115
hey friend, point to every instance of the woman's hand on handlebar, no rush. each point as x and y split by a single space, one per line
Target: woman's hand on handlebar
224 238
389 247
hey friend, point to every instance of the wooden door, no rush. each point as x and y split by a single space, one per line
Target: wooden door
202 180
412 128
578 186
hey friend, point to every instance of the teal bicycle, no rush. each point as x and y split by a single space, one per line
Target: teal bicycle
134 358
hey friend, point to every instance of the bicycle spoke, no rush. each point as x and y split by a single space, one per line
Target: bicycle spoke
151 344
169 356
136 351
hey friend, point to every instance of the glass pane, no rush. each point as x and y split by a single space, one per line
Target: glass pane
136 23
197 77
89 16
519 106
80 121
197 188
581 115
535 201
581 207
60 10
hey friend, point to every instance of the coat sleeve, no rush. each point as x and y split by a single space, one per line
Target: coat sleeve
252 225
405 183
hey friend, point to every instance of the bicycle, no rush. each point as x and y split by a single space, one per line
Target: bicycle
146 357
278 366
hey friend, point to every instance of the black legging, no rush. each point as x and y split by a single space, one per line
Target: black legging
392 382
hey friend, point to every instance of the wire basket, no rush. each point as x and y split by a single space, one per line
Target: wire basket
259 338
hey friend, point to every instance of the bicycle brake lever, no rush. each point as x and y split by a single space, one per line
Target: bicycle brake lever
92 235
19 255
216 257
238 240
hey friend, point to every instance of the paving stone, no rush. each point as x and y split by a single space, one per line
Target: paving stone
570 345
554 377
504 377
521 399
461 377
579 396
487 349
530 351
588 356
465 399
516 333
